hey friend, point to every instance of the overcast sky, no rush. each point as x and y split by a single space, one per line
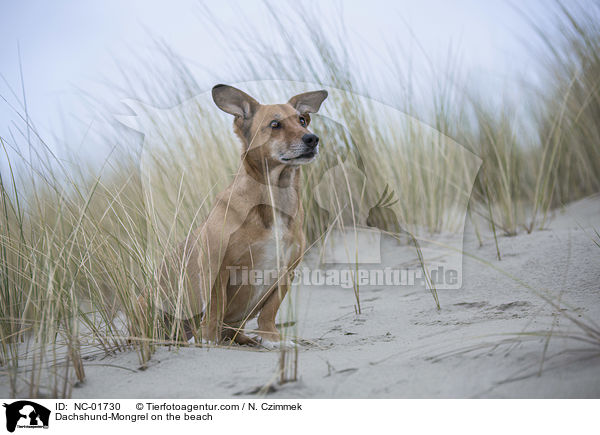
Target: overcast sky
66 46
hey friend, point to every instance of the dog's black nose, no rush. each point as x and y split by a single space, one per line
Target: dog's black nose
311 140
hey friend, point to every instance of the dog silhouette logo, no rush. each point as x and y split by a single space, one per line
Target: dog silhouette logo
416 190
26 414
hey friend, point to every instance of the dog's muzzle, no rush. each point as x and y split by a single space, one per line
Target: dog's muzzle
306 156
310 151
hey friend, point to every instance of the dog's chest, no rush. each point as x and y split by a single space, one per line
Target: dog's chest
270 259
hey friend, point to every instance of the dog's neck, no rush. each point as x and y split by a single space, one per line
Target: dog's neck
278 186
276 175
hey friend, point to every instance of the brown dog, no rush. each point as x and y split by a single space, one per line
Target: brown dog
255 224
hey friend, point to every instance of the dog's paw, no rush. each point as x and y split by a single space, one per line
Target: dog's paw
206 342
271 345
288 342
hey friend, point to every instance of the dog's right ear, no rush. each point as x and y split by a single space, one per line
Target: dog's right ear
234 101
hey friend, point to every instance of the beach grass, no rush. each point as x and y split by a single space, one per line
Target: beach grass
81 244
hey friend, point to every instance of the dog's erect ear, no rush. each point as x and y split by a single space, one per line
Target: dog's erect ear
234 101
308 102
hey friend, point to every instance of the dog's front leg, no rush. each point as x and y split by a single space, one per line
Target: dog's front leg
212 323
268 332
270 336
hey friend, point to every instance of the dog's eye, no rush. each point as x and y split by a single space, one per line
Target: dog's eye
275 124
303 121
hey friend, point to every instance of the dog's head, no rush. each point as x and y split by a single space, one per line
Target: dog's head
275 133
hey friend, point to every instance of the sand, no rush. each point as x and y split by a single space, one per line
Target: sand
491 338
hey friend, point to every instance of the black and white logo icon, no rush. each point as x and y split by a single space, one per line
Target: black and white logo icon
26 414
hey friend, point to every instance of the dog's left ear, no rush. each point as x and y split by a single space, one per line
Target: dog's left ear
308 102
